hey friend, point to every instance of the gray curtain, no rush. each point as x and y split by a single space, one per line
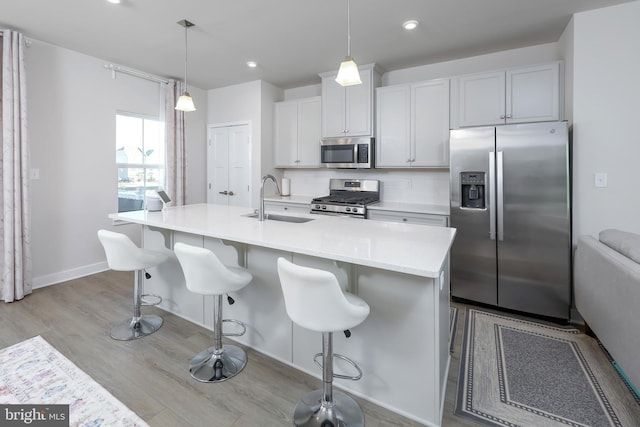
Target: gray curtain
15 245
176 161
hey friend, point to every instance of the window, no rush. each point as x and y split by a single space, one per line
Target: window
139 159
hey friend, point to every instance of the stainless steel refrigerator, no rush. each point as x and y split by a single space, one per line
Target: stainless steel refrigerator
511 206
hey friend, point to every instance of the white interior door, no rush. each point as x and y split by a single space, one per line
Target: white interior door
228 165
239 166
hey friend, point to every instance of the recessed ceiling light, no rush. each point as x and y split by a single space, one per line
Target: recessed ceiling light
410 25
252 64
114 1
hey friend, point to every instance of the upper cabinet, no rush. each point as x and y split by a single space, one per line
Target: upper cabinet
297 133
349 111
413 125
516 95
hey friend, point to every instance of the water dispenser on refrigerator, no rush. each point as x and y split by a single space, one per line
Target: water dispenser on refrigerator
472 190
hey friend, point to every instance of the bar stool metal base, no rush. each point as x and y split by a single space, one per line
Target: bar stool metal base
208 367
134 328
343 411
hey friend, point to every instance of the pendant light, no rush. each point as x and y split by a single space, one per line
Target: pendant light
185 103
348 74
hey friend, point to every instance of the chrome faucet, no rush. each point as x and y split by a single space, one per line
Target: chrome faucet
261 207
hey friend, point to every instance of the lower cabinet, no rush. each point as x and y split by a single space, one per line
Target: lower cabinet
409 217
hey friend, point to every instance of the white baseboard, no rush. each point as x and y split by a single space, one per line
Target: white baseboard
63 276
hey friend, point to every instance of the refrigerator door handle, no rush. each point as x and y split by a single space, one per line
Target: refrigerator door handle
500 196
492 195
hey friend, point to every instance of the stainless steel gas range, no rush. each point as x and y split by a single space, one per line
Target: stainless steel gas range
348 197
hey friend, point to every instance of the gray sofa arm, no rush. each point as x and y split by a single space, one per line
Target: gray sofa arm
607 296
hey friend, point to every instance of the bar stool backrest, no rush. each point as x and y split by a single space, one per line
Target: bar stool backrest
205 274
314 300
122 253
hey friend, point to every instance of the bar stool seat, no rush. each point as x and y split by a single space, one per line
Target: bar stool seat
205 274
314 300
123 255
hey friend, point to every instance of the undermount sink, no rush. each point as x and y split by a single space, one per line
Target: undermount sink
284 218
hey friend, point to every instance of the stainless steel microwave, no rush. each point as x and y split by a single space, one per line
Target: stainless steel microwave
347 153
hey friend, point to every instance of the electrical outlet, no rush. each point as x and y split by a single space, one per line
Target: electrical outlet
600 179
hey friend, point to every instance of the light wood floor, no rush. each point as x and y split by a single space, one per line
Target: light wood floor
150 375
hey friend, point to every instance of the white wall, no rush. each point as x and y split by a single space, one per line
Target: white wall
474 64
605 117
72 102
303 92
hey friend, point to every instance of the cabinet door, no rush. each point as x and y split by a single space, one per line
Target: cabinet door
533 93
481 99
239 166
271 206
286 133
309 134
359 107
218 165
333 108
430 124
409 217
393 124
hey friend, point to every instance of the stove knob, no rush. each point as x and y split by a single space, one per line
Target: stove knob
317 206
349 209
324 207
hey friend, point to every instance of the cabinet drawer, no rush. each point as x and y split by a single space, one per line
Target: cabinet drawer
410 218
287 207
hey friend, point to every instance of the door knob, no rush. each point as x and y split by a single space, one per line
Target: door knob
231 193
223 192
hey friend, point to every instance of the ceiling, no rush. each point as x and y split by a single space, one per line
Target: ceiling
291 40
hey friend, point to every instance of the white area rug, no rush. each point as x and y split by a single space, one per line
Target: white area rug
33 372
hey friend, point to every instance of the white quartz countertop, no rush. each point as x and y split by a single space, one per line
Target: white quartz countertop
410 207
413 249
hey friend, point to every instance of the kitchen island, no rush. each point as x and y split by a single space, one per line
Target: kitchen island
400 270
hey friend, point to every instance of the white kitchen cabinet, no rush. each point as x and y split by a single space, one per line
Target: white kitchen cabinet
291 207
516 95
409 217
297 133
349 111
413 125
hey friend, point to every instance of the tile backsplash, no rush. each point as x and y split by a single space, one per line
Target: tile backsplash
405 186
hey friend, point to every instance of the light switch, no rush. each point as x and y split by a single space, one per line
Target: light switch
600 179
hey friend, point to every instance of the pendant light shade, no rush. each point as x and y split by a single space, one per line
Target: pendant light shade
348 74
185 102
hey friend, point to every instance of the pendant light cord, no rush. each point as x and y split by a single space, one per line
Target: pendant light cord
348 28
186 58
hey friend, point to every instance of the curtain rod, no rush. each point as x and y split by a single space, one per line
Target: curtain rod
135 73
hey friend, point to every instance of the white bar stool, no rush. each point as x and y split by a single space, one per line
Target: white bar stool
124 255
205 274
314 300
